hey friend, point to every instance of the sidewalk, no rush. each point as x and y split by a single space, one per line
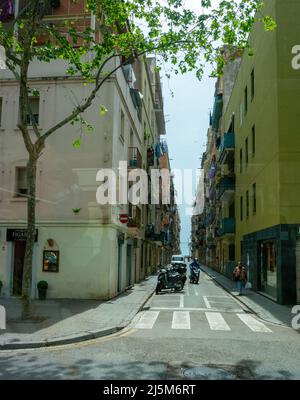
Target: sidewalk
260 305
60 322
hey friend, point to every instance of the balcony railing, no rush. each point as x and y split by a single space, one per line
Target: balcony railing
227 226
135 218
227 146
226 188
134 158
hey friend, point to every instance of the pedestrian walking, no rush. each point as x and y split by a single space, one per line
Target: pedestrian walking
239 276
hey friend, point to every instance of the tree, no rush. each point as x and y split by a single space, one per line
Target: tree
128 29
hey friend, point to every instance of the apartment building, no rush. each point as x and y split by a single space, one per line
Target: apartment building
83 249
259 156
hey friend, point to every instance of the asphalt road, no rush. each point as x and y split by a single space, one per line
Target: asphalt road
201 333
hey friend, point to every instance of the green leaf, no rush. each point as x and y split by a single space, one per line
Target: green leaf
269 23
77 143
102 110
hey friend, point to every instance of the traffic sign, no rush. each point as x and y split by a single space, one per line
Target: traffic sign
124 218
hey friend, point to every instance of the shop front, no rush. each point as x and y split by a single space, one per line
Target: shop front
267 268
270 258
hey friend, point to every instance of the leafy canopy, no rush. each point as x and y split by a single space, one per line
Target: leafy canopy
179 35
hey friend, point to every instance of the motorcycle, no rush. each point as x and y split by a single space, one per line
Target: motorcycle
169 279
194 276
181 269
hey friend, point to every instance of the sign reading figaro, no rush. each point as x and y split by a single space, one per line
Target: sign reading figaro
14 235
2 318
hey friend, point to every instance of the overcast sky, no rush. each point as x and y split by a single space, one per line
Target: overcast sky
187 114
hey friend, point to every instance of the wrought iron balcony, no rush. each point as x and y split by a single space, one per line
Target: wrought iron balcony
227 147
134 158
226 189
227 226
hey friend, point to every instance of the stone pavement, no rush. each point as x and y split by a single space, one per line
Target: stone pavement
68 321
262 306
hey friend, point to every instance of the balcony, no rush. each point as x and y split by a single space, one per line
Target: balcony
226 189
134 158
135 221
227 227
217 111
226 151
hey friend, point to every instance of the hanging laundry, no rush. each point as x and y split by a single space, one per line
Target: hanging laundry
6 10
158 150
164 146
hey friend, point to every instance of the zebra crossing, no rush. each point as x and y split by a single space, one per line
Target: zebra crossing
181 320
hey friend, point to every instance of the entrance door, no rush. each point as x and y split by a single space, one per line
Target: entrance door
19 254
119 267
128 265
298 271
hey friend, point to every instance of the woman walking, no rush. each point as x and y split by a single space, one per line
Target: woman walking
240 277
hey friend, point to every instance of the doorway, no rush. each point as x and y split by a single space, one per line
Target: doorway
120 246
298 271
268 268
129 265
19 255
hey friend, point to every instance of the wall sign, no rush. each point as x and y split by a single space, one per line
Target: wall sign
14 235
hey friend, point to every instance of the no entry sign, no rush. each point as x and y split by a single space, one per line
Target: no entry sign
124 218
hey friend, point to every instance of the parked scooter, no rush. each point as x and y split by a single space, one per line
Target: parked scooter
169 279
181 269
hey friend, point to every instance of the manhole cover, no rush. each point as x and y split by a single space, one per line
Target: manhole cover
208 373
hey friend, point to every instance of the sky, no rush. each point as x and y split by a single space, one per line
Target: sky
187 116
187 120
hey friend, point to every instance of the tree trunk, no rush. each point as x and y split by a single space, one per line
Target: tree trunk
27 270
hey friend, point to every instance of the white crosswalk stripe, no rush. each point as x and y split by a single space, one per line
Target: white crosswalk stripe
216 321
253 324
147 320
181 320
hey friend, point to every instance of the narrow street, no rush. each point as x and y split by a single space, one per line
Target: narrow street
201 333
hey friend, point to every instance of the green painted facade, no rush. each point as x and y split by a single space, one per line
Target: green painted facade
272 162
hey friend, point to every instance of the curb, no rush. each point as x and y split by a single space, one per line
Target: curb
242 303
60 341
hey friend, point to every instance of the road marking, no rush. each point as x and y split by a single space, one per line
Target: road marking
253 323
233 310
196 292
181 301
147 320
216 321
187 290
206 302
181 320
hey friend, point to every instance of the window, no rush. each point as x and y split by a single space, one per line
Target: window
247 203
246 150
253 140
1 103
122 127
254 197
21 188
252 84
34 104
246 99
241 114
241 208
241 160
